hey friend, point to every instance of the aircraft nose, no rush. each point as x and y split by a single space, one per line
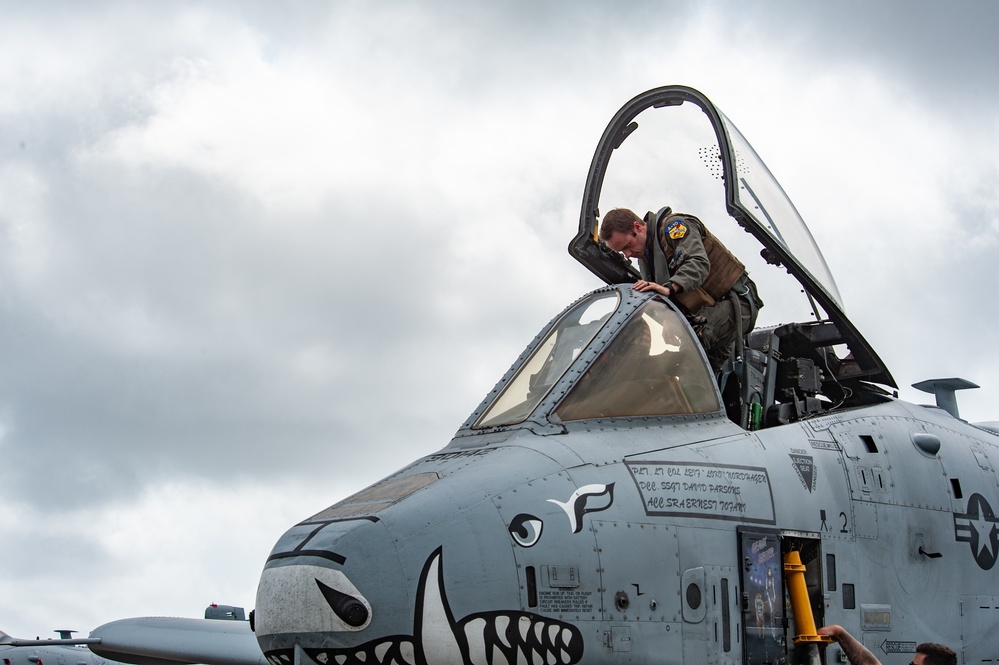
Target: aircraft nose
316 582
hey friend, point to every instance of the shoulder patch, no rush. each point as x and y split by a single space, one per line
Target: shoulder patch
676 229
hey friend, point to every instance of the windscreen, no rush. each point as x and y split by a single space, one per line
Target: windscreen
549 361
653 367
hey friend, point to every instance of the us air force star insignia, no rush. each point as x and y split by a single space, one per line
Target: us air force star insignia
676 229
978 526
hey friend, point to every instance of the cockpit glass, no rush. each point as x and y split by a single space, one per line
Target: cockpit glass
549 361
652 368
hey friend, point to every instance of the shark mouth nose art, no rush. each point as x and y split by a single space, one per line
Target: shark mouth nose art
486 638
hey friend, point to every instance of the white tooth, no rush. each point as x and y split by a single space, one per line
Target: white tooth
406 649
551 658
498 657
323 657
566 636
475 634
502 621
437 636
361 656
521 658
565 657
536 657
538 629
523 626
341 658
380 651
552 632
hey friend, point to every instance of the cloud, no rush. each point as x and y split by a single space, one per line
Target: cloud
143 556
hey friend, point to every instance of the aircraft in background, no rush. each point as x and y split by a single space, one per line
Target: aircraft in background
608 503
64 651
226 625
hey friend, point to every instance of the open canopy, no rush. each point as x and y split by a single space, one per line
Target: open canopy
752 197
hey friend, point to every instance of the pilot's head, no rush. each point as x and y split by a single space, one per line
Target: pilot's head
625 232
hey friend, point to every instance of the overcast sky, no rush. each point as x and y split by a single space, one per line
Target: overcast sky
255 256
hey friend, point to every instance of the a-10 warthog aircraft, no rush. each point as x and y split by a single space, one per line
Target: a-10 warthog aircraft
608 503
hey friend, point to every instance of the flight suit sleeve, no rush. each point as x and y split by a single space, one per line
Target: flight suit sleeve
689 265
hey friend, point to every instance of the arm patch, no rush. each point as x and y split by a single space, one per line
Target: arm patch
676 229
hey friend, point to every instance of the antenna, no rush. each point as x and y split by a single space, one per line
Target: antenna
943 391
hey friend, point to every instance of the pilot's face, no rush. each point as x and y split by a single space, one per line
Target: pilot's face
632 243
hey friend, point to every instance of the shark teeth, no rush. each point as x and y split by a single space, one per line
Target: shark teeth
394 651
491 638
519 638
486 638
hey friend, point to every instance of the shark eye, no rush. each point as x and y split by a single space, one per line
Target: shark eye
352 611
526 529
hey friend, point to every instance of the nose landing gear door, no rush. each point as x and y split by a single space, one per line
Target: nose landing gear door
762 580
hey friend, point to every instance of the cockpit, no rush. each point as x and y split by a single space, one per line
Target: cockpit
617 354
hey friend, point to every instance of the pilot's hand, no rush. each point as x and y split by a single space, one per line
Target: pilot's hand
643 286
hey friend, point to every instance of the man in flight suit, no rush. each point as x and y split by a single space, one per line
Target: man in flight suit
679 258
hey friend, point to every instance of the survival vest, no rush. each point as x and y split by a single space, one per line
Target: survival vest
725 270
